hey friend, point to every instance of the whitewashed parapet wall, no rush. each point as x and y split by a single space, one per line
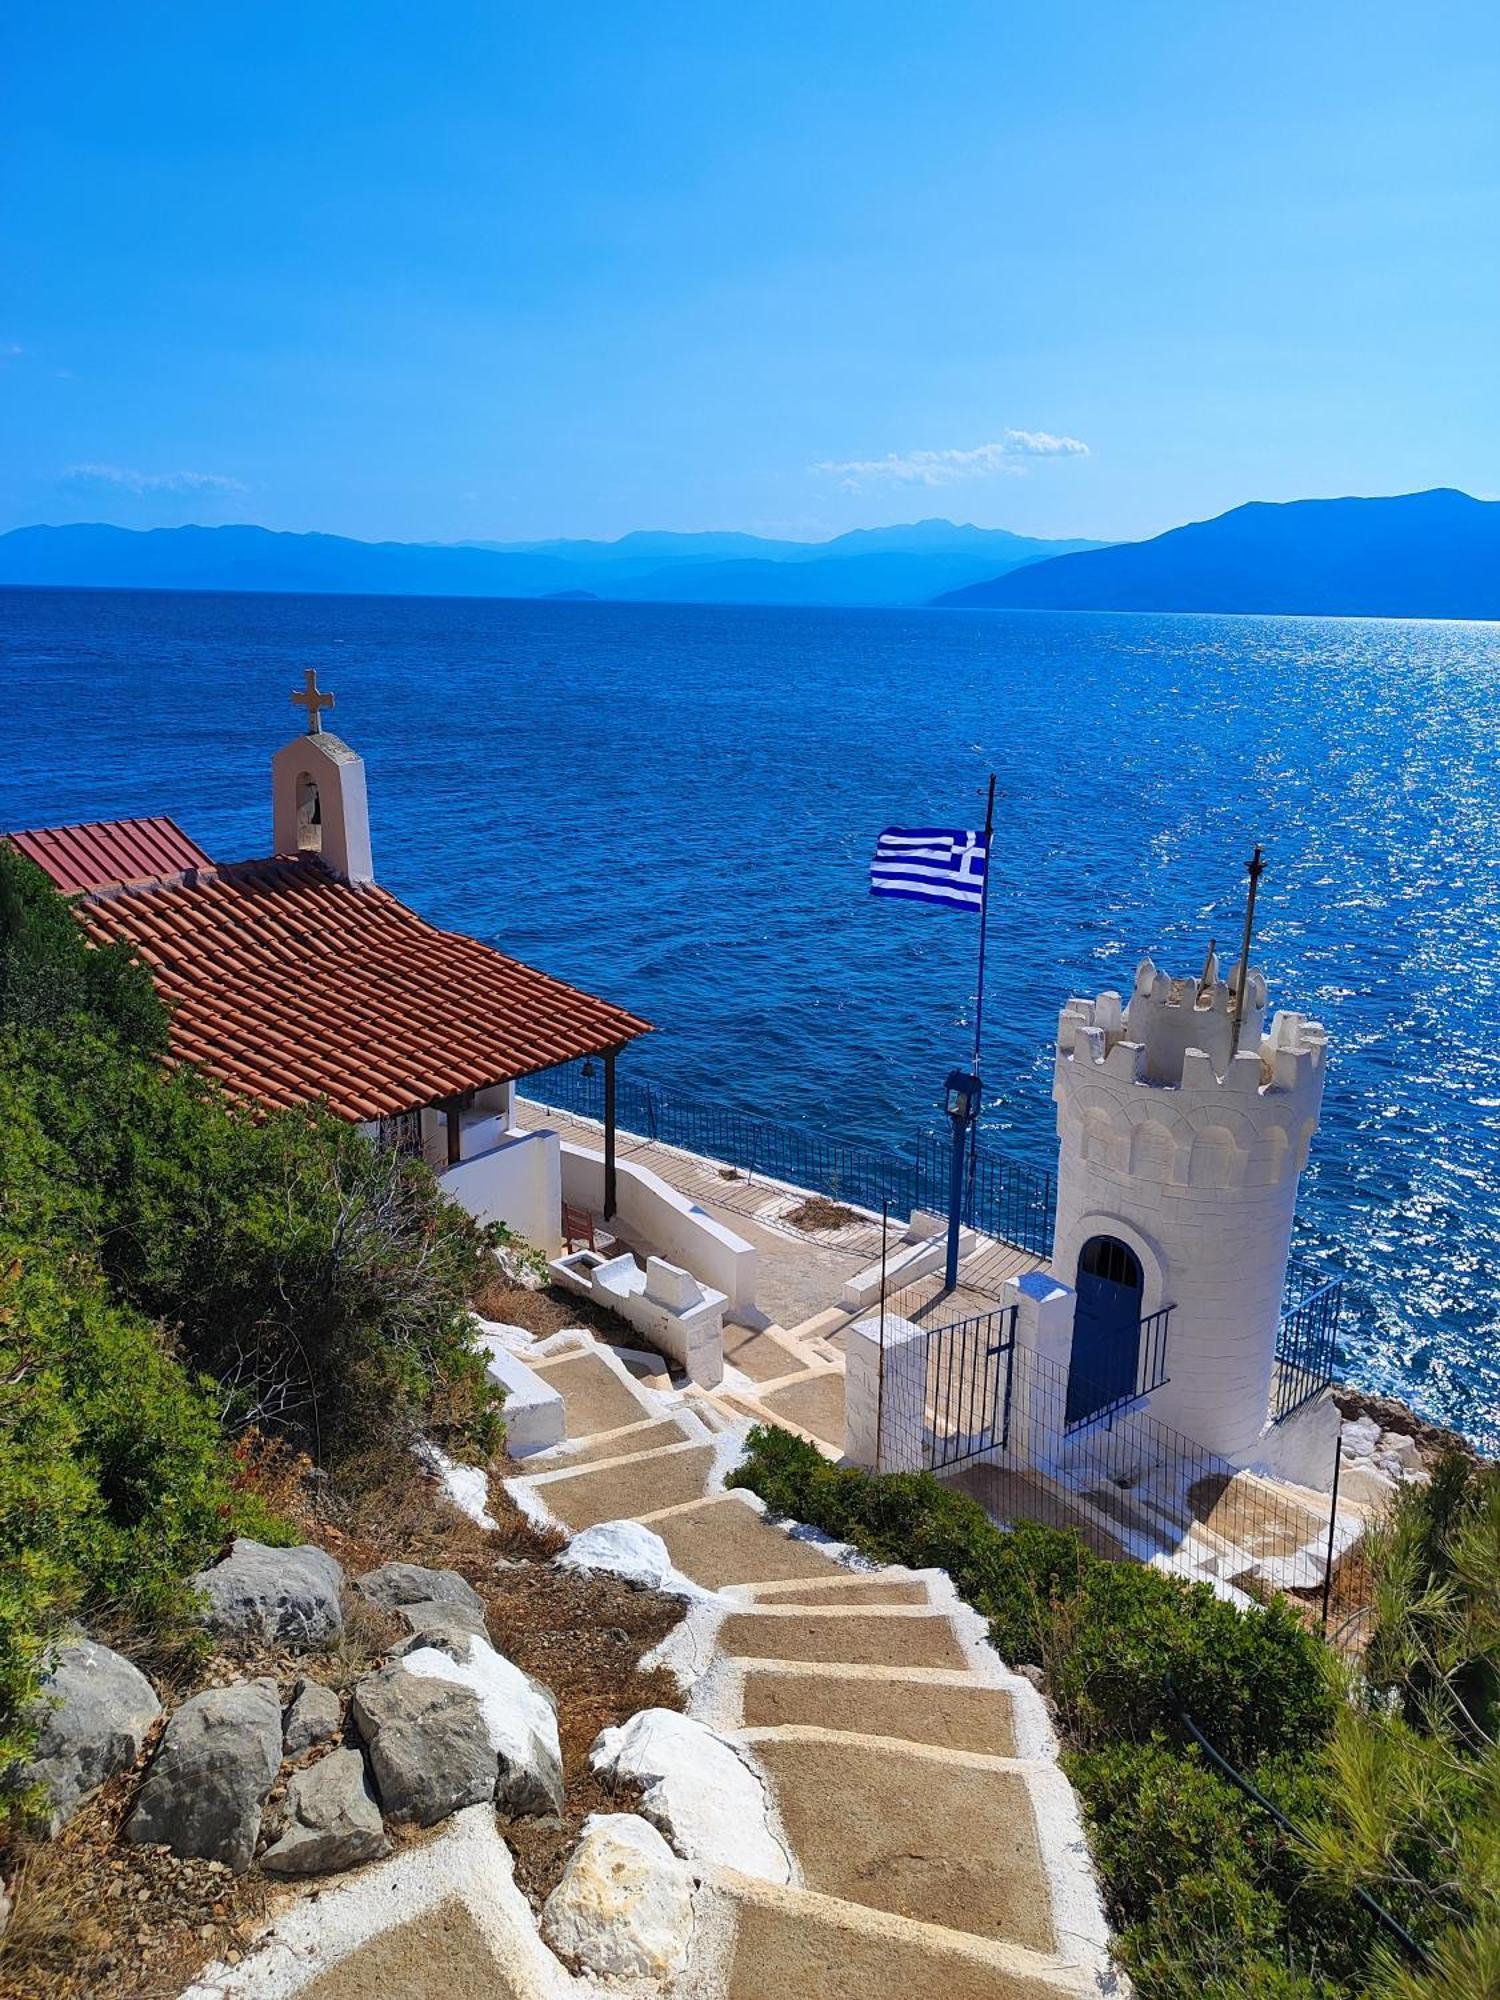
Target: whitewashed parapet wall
1191 1156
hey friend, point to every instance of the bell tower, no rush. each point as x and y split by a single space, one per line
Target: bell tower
1183 1127
318 794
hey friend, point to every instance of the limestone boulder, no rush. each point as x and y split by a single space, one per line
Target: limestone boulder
1360 1439
208 1781
429 1744
395 1584
698 1790
332 1820
289 1597
520 1717
624 1906
625 1549
316 1715
95 1710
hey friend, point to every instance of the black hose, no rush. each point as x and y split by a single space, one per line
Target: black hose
1236 1778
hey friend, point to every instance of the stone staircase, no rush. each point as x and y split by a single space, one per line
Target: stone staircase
911 1779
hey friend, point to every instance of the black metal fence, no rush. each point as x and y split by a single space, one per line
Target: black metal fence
965 1400
1004 1198
1306 1346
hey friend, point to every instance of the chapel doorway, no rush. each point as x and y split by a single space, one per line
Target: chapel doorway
1106 1327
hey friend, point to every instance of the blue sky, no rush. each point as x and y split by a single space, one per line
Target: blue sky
479 270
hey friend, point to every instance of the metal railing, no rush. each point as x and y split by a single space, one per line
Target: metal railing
1306 1346
1003 1198
1150 1373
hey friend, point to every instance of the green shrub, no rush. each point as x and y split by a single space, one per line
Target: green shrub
1116 1640
49 973
113 1482
323 1283
1134 1646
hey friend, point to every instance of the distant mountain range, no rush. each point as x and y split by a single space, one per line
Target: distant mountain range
872 566
1418 555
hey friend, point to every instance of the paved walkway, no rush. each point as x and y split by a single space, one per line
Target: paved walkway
800 1271
935 1843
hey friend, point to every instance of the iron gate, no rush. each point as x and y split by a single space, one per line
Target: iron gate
970 1373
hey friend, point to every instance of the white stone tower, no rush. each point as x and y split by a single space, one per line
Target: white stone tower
1178 1165
318 796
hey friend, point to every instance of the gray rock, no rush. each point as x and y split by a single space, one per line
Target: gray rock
396 1584
332 1820
519 1713
315 1716
430 1749
279 1596
95 1711
439 1622
218 1758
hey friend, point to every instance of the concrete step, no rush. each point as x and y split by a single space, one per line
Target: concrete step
594 1396
795 1944
813 1403
765 1354
723 1540
890 1636
950 1710
626 1488
845 1586
651 1434
945 1837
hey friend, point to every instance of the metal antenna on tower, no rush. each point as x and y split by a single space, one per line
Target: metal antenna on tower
1254 868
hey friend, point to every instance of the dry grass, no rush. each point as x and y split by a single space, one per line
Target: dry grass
94 1917
818 1212
550 1310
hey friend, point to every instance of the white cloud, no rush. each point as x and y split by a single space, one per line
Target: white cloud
127 480
1006 455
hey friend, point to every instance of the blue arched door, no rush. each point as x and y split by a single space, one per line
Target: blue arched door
1106 1327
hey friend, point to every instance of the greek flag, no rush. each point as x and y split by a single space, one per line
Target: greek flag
931 864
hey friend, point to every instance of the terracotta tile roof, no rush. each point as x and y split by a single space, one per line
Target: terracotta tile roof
104 854
288 983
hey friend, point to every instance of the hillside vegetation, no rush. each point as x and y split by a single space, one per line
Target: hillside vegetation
178 1276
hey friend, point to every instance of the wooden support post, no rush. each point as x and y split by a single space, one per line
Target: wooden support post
453 1115
609 1132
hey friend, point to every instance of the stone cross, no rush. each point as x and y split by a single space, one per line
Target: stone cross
312 700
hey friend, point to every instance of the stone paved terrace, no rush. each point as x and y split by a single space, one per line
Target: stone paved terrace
800 1271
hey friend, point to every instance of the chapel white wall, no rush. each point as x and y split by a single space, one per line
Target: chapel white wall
1191 1156
517 1181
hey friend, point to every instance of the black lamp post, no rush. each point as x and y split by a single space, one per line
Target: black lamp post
962 1094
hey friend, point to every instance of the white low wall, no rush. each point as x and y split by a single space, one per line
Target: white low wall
517 1182
665 1221
534 1416
677 1315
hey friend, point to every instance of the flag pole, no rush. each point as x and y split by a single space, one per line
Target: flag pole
966 1136
984 914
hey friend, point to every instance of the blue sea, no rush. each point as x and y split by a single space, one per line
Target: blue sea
676 806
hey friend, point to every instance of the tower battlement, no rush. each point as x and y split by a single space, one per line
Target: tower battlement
1178 1161
1152 1088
